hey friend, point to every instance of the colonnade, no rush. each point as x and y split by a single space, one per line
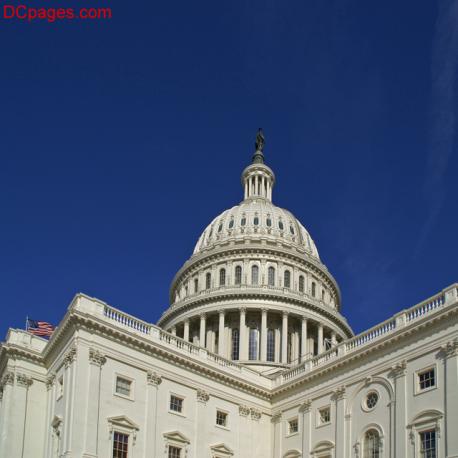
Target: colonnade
258 185
257 335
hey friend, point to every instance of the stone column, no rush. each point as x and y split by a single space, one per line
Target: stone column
320 338
243 344
305 409
221 346
333 339
153 445
51 398
450 354
304 339
202 330
264 335
96 361
284 339
398 372
69 360
174 331
186 331
201 421
339 397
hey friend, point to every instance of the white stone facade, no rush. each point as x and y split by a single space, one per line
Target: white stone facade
247 363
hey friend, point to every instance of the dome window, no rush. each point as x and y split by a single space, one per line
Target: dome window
271 276
291 229
243 221
196 285
238 275
208 280
280 225
313 289
254 275
220 227
268 222
231 223
287 279
256 221
222 277
301 284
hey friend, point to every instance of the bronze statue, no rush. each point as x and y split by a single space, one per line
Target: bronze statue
260 140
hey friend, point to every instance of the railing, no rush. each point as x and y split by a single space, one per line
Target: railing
400 320
175 341
127 320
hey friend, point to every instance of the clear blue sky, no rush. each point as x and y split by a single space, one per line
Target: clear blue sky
122 139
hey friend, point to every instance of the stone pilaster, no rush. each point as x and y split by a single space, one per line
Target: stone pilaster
153 445
398 373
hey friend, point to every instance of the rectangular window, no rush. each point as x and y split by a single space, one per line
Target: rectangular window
123 386
426 379
324 416
174 452
221 418
176 404
428 447
253 345
120 445
293 426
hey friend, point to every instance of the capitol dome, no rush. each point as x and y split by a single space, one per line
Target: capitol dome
255 289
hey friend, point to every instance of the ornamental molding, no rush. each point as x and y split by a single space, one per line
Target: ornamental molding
305 406
202 396
50 381
7 379
24 380
244 411
450 349
69 357
399 369
96 357
255 414
152 378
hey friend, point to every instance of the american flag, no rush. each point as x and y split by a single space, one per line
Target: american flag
39 328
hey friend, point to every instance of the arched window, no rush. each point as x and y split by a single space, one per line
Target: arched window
313 289
208 280
271 276
280 225
289 348
253 345
268 221
301 283
231 223
235 344
243 220
238 275
196 285
220 227
270 345
222 277
254 275
287 279
372 444
256 221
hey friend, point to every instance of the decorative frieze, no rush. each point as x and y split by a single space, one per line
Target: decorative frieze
244 411
202 396
23 380
305 406
152 378
255 414
96 358
450 349
399 369
69 357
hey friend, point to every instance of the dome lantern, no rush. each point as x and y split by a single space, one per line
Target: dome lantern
258 179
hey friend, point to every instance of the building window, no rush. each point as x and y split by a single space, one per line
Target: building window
238 275
231 223
123 386
222 277
176 404
271 345
256 221
235 344
287 279
313 289
243 221
371 400
253 345
220 227
174 452
428 446
291 229
426 379
293 426
324 416
301 283
221 418
120 445
371 444
268 222
280 225
196 285
208 280
271 276
254 275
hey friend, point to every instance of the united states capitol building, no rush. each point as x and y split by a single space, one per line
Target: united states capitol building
253 359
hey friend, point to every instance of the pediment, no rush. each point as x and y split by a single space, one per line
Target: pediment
292 454
176 436
222 449
123 421
427 416
323 446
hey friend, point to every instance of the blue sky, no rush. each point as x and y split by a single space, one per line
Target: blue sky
122 139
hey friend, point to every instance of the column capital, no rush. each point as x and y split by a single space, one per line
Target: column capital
96 358
187 320
7 379
285 313
399 369
276 417
255 414
152 378
304 319
202 396
450 349
244 411
50 380
339 393
24 380
264 310
305 406
69 357
222 312
242 309
203 316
